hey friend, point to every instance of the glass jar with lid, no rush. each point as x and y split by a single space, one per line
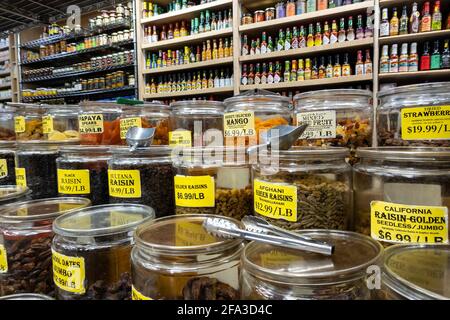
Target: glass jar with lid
13 193
276 273
26 296
28 121
60 122
25 240
304 188
7 131
148 115
250 115
402 194
196 123
143 176
339 118
99 123
7 162
416 272
414 115
93 246
82 171
176 259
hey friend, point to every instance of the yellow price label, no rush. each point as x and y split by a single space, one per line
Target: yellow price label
69 272
426 123
118 218
73 181
181 138
3 259
21 177
124 183
90 123
194 191
19 124
127 123
47 124
3 168
239 124
136 295
192 234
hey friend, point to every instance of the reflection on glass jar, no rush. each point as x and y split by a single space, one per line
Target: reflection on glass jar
7 131
28 121
275 273
60 122
26 296
13 193
7 163
94 244
176 259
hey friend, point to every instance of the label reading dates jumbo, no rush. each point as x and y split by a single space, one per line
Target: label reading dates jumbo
136 295
194 191
321 124
3 168
47 124
73 181
124 183
91 123
21 177
19 124
127 123
399 223
275 200
68 272
239 124
3 259
426 123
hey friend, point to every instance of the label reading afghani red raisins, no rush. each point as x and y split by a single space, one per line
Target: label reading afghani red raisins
275 200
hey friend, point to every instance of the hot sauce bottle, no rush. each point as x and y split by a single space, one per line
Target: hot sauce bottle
425 23
346 70
337 69
326 34
425 58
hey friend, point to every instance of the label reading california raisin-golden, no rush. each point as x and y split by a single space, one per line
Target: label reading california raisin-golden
3 259
275 200
426 123
124 183
194 191
239 124
68 272
47 124
3 168
73 181
19 124
127 123
91 123
136 295
21 177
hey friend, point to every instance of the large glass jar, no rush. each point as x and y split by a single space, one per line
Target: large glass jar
213 180
304 188
25 239
143 176
276 273
196 123
414 115
28 121
83 172
7 131
26 296
60 122
175 258
402 194
91 251
251 114
7 163
339 118
149 115
99 123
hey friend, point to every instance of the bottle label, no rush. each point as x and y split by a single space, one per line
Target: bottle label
393 66
275 200
333 39
384 30
19 124
321 124
276 78
270 79
400 223
359 70
91 123
325 40
69 272
47 124
73 181
3 168
21 177
295 44
127 123
426 123
239 124
263 49
435 61
124 183
302 43
180 138
3 259
403 65
194 191
136 295
280 47
287 45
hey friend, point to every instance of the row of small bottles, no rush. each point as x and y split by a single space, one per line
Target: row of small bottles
410 61
415 22
190 81
298 38
308 69
206 22
220 48
150 9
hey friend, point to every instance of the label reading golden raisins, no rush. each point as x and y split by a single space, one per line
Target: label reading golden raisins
194 191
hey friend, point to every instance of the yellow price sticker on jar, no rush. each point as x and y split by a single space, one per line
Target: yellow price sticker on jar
180 138
47 124
69 272
426 123
21 177
90 123
73 181
124 183
239 124
194 191
136 295
3 168
19 124
127 123
192 234
400 223
275 200
3 259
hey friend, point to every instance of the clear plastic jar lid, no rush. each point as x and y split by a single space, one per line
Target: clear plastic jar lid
422 88
44 144
152 151
102 220
197 107
418 272
333 99
99 107
211 156
405 153
153 106
26 296
308 153
352 255
94 150
257 100
12 192
4 144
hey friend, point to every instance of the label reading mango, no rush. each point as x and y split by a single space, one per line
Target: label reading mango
239 124
181 138
73 182
124 183
118 218
91 123
399 223
3 259
275 200
3 168
189 234
19 124
136 295
47 124
426 123
126 124
68 272
194 191
21 177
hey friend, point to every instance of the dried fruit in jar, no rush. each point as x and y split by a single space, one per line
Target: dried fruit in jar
205 288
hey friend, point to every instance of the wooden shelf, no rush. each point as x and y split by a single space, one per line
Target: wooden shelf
188 93
5 73
308 51
195 65
308 83
186 14
5 86
180 42
328 13
417 76
415 37
5 98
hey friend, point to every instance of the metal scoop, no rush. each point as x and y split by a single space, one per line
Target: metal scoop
140 137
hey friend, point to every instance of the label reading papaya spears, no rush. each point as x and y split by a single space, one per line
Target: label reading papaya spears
91 123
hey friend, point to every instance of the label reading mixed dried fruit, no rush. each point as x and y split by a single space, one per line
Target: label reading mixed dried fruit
275 200
126 124
19 124
399 223
68 272
3 168
21 177
321 124
124 183
91 123
3 259
239 124
426 123
194 191
73 181
47 124
136 295
180 138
